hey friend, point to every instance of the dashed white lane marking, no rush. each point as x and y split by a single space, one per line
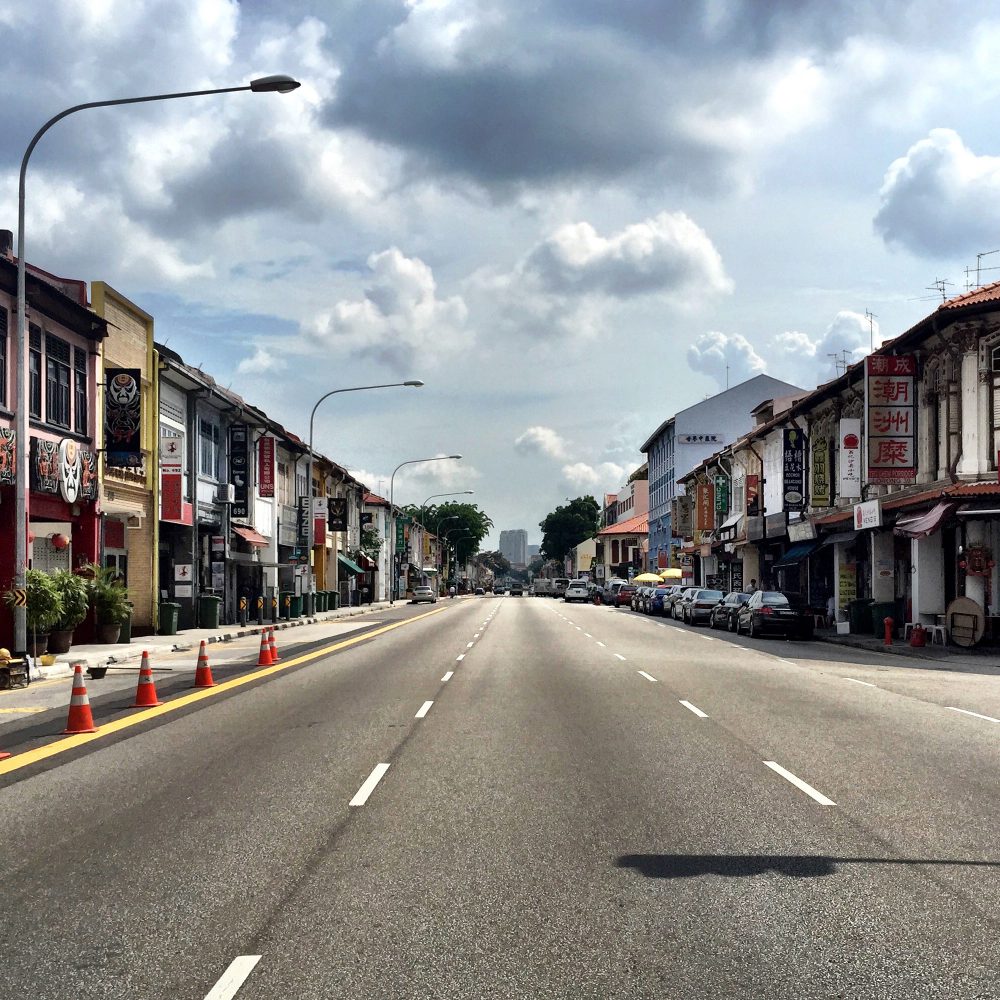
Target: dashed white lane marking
854 680
649 677
369 786
577 627
619 655
448 676
988 718
599 643
661 624
800 784
233 978
469 645
692 708
477 635
588 635
458 659
423 710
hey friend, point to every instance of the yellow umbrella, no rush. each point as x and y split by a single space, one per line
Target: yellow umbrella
646 578
670 574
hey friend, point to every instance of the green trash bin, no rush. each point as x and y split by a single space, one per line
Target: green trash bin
208 610
332 600
296 606
125 635
859 615
285 599
321 600
169 616
309 605
880 611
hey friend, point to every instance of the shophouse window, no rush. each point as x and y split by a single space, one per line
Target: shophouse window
3 357
301 484
80 413
35 371
57 391
283 483
209 450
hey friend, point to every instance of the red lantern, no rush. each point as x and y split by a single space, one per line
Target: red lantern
59 541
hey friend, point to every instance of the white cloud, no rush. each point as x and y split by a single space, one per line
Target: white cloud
806 361
541 440
414 483
728 357
262 362
602 478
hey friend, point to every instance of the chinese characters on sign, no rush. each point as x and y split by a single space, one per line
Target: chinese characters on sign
171 475
820 480
699 439
868 515
681 517
705 500
850 458
794 466
265 467
891 390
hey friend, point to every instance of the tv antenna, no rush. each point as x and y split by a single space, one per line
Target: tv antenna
979 261
871 317
940 285
841 361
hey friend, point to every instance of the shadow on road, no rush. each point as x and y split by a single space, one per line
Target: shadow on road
740 865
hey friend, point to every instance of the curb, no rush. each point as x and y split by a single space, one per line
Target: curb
903 651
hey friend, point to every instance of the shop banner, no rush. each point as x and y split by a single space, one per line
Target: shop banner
337 520
171 497
239 469
891 407
8 457
705 501
44 465
88 474
171 452
721 497
794 469
681 519
123 418
321 511
819 495
753 496
868 515
302 522
265 467
850 459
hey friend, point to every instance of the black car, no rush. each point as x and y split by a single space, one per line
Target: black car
654 606
724 613
770 612
517 590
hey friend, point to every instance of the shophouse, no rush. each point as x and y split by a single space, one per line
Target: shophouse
375 531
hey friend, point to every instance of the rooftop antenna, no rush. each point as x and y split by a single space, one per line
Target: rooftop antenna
979 260
840 361
939 285
871 328
727 376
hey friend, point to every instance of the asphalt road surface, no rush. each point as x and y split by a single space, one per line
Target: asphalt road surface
517 798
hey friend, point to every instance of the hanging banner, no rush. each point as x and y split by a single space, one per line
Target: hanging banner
321 510
721 497
753 495
302 522
891 407
265 467
337 520
793 469
44 466
88 474
123 418
819 495
681 519
705 507
8 457
850 458
239 469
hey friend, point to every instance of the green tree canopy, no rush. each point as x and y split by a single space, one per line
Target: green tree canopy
452 518
569 525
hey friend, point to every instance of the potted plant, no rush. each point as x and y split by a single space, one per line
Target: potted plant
110 600
75 604
43 611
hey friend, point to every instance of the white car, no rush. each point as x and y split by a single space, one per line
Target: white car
577 590
423 594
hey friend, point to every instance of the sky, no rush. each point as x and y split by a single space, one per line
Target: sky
569 218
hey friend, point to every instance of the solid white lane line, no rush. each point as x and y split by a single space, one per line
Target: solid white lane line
800 784
619 655
697 711
649 677
469 645
854 680
369 786
458 659
423 710
599 643
988 718
233 978
448 676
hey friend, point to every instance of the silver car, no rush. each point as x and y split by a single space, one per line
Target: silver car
577 590
424 595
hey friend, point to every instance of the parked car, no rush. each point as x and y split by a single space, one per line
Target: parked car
576 590
699 607
724 613
498 589
423 595
654 606
674 592
677 608
636 603
770 612
623 595
647 596
480 591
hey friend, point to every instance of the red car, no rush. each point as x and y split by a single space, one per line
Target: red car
624 596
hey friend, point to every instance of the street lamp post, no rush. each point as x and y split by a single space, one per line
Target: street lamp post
454 546
392 483
266 84
310 535
434 496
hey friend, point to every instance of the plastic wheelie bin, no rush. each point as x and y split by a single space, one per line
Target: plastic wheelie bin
296 606
169 616
859 615
125 635
208 610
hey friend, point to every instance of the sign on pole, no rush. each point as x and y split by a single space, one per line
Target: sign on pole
850 458
891 407
794 466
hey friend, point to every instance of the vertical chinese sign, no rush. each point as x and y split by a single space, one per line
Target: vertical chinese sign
265 467
850 458
819 495
171 476
239 468
794 469
705 507
890 397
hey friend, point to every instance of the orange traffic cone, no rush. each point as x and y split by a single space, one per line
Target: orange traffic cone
145 692
274 649
264 658
203 672
80 719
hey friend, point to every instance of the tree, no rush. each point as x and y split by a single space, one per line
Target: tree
567 526
494 562
452 518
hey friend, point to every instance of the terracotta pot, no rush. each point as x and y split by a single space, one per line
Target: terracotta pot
59 642
108 633
37 644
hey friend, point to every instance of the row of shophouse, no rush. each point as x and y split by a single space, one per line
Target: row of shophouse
143 463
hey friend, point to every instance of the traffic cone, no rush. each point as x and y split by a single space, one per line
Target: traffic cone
264 659
80 720
145 692
203 672
274 649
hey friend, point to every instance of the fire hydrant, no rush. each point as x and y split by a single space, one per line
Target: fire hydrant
918 637
888 623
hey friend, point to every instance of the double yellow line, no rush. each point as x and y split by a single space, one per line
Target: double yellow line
30 757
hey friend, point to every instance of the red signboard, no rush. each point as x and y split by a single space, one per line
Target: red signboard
171 498
891 400
753 496
705 501
265 467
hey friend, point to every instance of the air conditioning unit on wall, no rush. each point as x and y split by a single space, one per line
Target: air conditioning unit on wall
226 493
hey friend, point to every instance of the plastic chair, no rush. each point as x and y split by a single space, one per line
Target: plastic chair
939 633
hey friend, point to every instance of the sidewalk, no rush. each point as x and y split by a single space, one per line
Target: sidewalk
946 657
104 654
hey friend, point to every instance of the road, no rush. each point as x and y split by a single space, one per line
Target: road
548 801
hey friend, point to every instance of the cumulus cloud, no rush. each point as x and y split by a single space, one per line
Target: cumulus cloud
424 479
806 361
262 362
940 198
603 477
541 440
728 357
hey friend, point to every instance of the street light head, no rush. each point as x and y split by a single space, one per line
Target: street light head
469 492
414 382
454 456
274 84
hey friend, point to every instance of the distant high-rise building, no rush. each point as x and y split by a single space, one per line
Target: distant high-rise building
514 546
533 551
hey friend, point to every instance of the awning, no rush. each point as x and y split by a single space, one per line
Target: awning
730 523
366 563
430 569
348 564
839 536
251 536
922 525
795 555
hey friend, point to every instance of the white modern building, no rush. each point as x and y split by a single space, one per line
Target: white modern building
514 546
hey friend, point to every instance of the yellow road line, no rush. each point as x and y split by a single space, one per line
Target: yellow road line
23 710
30 757
36 684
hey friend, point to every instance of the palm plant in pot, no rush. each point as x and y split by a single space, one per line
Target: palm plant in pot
43 610
75 604
110 600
